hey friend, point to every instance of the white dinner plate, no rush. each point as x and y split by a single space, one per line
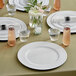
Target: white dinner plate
20 4
42 55
18 24
61 25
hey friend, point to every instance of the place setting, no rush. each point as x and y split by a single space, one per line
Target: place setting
61 18
37 37
4 24
39 55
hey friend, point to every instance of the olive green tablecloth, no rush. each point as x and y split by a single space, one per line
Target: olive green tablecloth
9 64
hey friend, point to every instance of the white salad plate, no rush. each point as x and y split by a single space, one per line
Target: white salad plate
20 4
18 24
42 55
61 25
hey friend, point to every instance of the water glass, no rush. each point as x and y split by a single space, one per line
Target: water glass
54 34
11 8
24 35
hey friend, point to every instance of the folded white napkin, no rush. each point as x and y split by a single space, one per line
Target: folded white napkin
62 19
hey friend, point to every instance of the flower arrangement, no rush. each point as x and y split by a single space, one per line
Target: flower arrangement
32 4
36 11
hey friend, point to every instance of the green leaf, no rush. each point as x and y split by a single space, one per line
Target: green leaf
27 9
44 8
34 20
35 2
30 5
40 3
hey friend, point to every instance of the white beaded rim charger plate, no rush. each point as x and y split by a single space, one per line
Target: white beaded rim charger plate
42 55
18 24
61 26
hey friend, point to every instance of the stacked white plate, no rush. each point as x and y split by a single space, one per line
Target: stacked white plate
18 24
20 4
62 14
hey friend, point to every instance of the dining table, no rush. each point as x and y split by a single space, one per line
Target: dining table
9 63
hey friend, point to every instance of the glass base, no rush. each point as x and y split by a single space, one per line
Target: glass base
11 14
